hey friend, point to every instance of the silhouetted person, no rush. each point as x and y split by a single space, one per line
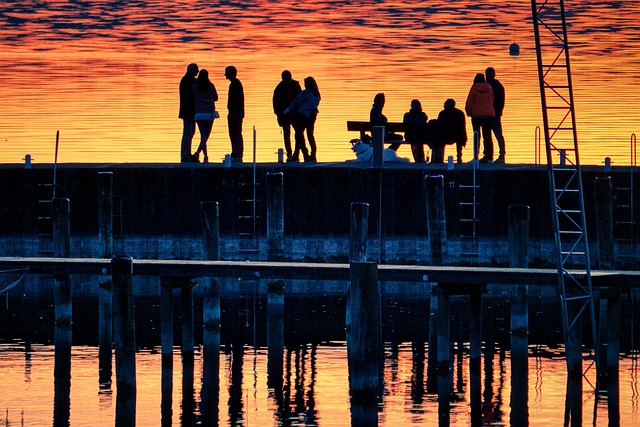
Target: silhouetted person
235 105
498 106
415 121
305 107
455 126
479 107
205 95
187 112
283 95
376 118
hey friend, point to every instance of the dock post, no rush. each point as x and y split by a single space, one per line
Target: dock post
166 342
573 409
443 358
105 243
125 338
475 354
519 258
186 299
613 355
359 232
275 334
63 313
432 365
364 342
377 135
436 218
211 316
604 221
275 216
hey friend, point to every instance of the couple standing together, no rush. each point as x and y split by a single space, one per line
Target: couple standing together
197 106
298 108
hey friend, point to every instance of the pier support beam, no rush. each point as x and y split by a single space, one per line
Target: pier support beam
275 216
125 338
105 243
436 218
275 335
604 222
359 232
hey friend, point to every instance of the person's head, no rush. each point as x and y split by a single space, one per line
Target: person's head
230 72
203 80
490 73
449 103
192 69
416 107
479 78
378 100
286 75
311 85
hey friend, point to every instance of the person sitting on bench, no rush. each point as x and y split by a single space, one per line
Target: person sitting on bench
376 118
416 130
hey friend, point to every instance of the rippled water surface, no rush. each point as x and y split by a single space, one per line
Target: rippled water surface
105 73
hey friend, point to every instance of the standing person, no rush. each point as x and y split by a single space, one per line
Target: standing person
498 106
455 126
235 105
305 107
283 95
187 112
376 118
205 97
416 130
479 107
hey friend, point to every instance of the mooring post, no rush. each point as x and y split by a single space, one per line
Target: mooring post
604 221
211 316
105 243
436 218
443 357
63 312
275 333
613 355
432 365
574 373
275 216
475 354
359 232
377 135
125 339
186 299
519 258
364 341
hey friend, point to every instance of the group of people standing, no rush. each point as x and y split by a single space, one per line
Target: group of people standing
198 96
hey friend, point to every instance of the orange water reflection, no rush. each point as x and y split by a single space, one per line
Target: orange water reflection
105 73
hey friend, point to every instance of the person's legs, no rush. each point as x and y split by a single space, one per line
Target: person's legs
286 133
437 154
487 139
496 126
188 130
476 125
459 148
417 150
204 126
311 121
235 135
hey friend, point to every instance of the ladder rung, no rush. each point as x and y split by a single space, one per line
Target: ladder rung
567 190
467 204
469 220
578 297
567 211
626 222
469 186
574 253
570 232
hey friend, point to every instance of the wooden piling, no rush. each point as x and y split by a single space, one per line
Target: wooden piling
363 340
61 228
436 218
613 356
186 301
166 315
573 349
105 244
358 232
210 230
432 365
443 358
604 221
275 216
275 333
475 353
125 340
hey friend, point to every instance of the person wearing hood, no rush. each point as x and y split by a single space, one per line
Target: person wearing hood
479 107
415 121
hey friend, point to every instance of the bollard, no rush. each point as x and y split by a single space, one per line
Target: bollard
125 339
563 156
377 135
27 161
105 244
450 163
359 231
607 164
275 216
275 334
436 218
604 221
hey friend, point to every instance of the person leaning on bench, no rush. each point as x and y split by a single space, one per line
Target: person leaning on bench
376 118
415 121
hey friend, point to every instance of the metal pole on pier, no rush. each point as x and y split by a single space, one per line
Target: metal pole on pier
105 243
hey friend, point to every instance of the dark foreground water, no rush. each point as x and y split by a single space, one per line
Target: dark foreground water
314 387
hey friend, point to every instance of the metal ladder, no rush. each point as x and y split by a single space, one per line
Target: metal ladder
469 208
248 217
45 195
625 224
565 179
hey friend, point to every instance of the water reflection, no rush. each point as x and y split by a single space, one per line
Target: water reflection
106 73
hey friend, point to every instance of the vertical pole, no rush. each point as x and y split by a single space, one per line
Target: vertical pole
364 342
187 317
443 358
573 409
432 365
613 354
166 341
475 352
436 218
604 224
105 243
125 338
275 215
63 314
359 231
211 317
377 135
275 334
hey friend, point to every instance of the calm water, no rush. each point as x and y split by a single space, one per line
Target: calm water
105 73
